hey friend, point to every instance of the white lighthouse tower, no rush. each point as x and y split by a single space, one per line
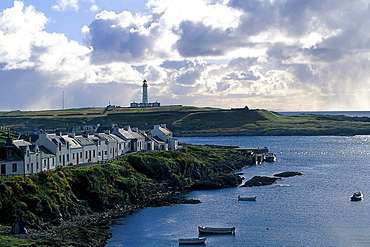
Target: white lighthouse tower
144 101
145 93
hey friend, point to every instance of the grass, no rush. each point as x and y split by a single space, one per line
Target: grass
7 240
183 120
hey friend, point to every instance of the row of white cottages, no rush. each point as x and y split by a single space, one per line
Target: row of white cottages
49 151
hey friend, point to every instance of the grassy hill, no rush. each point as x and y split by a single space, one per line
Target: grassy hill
189 121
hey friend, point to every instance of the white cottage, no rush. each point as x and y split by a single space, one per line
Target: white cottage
161 133
135 141
11 160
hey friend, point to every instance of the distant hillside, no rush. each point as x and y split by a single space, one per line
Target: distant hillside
189 121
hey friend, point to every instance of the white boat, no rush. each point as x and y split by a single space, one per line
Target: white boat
192 240
357 196
247 198
270 157
216 230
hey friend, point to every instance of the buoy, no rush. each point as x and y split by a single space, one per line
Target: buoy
267 228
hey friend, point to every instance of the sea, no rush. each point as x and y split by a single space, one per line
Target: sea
309 210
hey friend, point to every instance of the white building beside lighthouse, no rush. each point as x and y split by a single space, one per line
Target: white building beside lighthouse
144 101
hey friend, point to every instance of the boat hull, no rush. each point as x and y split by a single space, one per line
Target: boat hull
216 230
357 196
248 198
270 157
192 240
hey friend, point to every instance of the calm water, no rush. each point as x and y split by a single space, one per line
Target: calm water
314 210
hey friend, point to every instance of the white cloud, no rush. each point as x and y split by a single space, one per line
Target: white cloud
63 5
265 54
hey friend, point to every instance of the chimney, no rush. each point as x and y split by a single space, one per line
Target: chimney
9 141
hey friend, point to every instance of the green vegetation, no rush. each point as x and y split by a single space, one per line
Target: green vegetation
50 201
48 197
189 121
6 134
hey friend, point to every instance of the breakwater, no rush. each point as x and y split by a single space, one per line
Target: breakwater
56 205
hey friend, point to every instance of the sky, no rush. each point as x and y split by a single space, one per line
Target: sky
280 55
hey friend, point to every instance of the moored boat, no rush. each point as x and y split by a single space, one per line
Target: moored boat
192 240
216 230
270 157
247 198
357 196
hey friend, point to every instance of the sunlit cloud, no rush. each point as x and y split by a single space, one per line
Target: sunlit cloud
279 55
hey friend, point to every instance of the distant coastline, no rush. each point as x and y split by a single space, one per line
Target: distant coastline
345 113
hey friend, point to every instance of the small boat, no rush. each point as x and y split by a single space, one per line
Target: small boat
216 230
270 157
357 196
247 198
192 240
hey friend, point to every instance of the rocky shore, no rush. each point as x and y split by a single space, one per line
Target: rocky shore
92 230
77 207
264 180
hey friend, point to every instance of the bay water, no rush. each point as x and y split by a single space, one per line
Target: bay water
309 210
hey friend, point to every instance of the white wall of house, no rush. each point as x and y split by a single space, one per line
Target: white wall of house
12 168
173 144
72 149
48 163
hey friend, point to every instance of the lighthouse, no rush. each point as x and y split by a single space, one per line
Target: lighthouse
144 101
145 93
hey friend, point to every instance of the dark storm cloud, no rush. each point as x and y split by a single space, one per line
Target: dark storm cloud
242 63
112 42
197 39
177 64
258 16
21 88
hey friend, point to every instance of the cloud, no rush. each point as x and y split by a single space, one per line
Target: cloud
63 5
288 54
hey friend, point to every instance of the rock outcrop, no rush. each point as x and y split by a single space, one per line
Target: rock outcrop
288 174
260 181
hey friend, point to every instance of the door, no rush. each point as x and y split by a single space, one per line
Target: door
3 169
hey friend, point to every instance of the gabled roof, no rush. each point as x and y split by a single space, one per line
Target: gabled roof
119 139
130 135
165 131
72 142
108 137
158 140
46 152
21 143
56 139
84 141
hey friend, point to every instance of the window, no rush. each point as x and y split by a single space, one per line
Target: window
14 167
37 165
28 167
73 156
86 155
60 158
67 157
94 153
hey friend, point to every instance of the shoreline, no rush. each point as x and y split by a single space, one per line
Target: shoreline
94 229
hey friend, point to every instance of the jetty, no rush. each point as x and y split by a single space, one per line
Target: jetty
257 153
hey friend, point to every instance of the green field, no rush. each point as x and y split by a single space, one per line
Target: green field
188 121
